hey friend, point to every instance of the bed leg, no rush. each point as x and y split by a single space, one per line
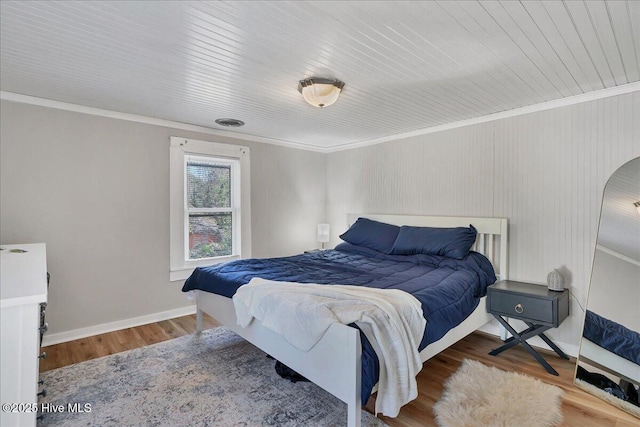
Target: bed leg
353 414
354 406
199 320
503 332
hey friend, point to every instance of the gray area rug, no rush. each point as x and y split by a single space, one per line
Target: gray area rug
481 396
210 379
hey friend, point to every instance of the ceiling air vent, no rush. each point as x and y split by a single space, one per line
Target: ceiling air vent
231 123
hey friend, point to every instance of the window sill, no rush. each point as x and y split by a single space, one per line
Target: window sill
184 273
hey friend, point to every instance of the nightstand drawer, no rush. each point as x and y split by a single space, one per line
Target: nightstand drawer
528 302
522 306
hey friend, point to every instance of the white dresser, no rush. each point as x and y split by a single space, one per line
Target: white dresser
23 287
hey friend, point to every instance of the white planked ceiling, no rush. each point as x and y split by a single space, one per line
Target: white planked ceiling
407 65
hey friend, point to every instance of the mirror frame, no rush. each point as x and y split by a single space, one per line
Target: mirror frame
610 398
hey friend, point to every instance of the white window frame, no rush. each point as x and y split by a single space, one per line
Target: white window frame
181 149
233 209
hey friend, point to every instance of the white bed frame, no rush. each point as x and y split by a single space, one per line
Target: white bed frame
608 361
334 362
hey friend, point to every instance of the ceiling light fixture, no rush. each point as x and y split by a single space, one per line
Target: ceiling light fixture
320 92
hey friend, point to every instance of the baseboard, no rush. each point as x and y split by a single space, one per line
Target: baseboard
493 328
60 337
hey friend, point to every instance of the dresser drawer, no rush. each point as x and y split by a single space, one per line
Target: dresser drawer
522 306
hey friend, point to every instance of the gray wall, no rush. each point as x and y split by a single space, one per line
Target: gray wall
543 171
96 191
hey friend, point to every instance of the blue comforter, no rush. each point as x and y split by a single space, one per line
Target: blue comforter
612 336
448 289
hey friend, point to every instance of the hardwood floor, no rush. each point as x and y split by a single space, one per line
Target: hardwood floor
580 408
76 351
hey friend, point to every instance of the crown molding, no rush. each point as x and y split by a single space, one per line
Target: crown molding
43 102
556 103
618 255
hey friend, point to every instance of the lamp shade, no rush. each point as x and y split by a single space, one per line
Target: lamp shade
323 233
320 92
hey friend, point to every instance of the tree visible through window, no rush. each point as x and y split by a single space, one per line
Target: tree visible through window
209 203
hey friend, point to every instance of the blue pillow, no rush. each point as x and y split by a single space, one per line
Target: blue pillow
449 242
375 235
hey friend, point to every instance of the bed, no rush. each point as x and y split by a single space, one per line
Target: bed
335 362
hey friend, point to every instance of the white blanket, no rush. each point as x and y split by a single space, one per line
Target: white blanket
391 319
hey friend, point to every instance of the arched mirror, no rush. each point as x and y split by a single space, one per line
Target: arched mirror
609 358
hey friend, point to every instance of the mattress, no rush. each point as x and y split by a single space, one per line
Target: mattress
448 289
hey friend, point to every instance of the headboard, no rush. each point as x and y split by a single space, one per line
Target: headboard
492 233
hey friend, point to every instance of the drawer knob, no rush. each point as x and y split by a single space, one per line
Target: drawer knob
519 308
42 356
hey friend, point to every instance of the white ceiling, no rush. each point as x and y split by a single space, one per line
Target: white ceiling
407 65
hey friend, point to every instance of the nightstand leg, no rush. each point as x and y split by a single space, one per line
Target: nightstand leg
520 338
554 347
511 342
529 329
539 358
551 344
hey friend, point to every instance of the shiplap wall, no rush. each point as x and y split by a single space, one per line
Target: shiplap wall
543 171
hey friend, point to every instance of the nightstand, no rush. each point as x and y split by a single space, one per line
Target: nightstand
537 306
310 251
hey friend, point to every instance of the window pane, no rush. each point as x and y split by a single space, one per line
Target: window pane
210 235
208 185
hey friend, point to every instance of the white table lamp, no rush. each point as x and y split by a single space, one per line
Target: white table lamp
323 233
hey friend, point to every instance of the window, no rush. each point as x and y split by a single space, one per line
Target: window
210 204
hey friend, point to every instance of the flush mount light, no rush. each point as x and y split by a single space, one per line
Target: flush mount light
320 92
231 123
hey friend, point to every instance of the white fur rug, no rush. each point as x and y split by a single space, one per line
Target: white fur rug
483 396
